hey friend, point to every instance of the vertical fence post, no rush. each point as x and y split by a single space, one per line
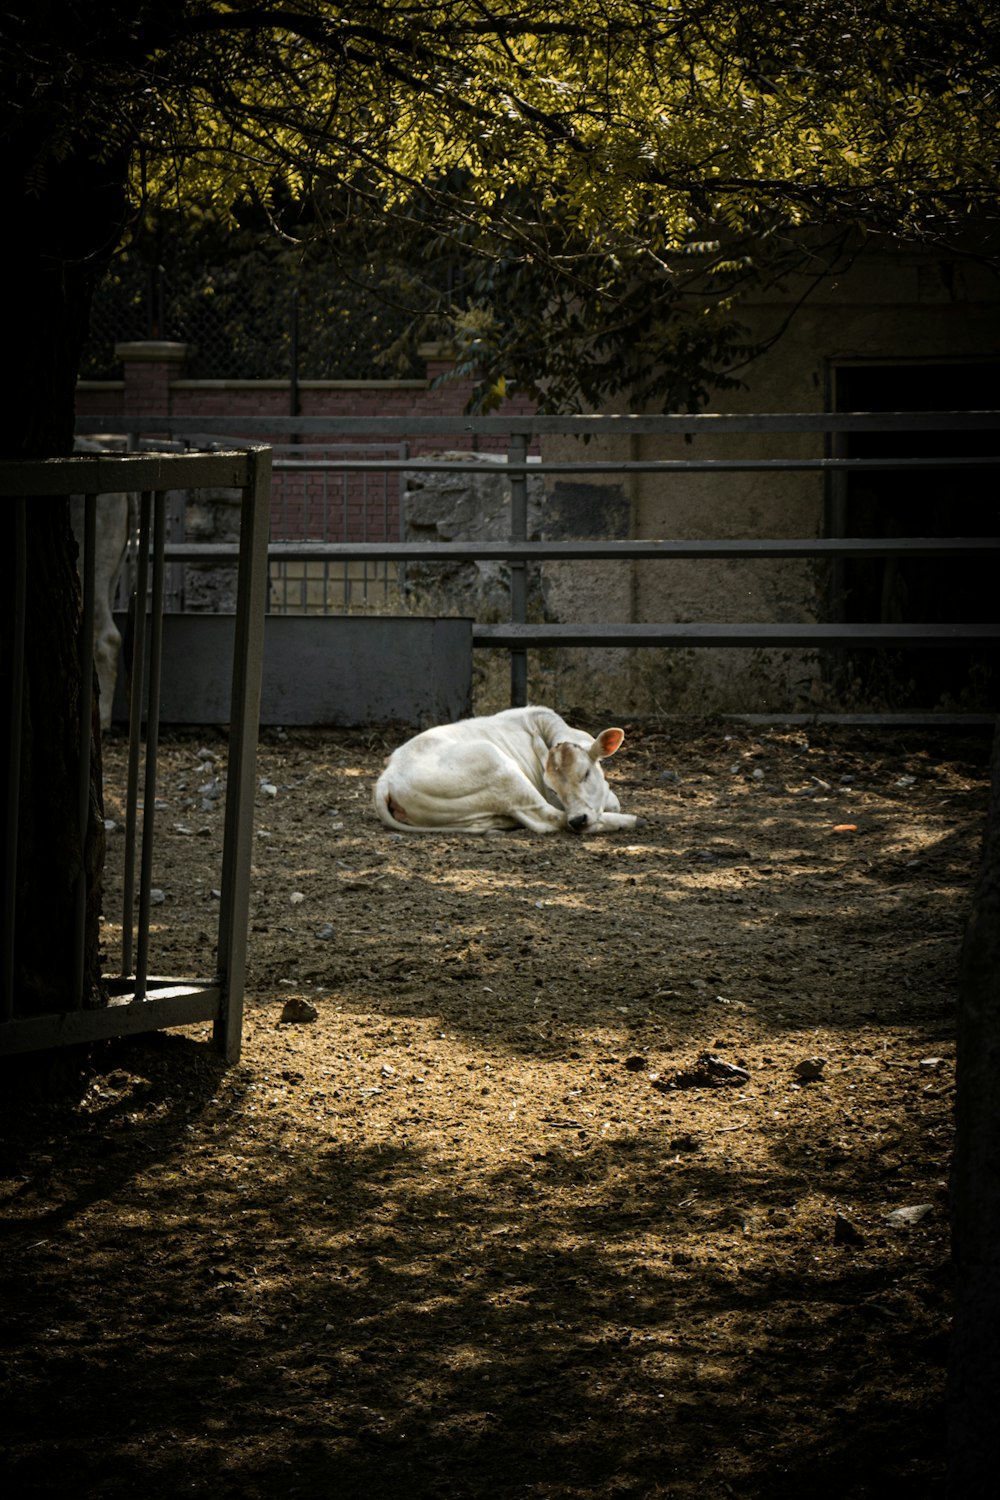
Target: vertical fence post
137 688
517 453
293 373
13 790
244 720
152 744
86 730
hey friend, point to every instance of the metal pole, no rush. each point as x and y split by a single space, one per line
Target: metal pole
293 382
86 730
14 754
152 744
244 720
517 454
137 686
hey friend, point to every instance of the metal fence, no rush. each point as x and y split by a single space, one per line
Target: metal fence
140 1001
254 317
980 429
314 499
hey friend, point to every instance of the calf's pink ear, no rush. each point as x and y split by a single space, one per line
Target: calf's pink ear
606 743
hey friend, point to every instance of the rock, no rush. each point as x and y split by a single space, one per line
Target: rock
296 1010
905 1218
845 1233
636 1064
297 898
810 1069
268 789
325 931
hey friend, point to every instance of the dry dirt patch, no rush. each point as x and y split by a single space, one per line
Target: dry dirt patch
578 1184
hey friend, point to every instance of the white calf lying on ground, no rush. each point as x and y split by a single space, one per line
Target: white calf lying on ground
523 766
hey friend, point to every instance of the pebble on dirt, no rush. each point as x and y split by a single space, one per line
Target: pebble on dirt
910 1214
846 1233
296 1010
810 1069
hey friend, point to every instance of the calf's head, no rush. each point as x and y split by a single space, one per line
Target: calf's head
575 775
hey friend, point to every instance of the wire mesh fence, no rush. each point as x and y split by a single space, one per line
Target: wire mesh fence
255 317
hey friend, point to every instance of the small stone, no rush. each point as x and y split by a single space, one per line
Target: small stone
810 1069
268 789
297 898
905 1218
157 897
636 1064
297 1010
325 931
845 1233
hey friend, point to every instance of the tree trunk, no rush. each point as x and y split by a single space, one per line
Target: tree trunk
974 1373
63 232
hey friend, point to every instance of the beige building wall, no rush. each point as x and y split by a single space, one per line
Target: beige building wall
891 308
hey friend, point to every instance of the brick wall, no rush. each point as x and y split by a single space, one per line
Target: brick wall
153 384
304 507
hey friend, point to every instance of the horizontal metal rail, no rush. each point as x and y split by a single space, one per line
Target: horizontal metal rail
115 474
755 547
656 465
167 1003
512 636
540 426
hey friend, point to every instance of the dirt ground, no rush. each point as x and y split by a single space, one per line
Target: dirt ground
584 1180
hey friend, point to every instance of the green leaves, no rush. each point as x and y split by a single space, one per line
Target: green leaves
588 158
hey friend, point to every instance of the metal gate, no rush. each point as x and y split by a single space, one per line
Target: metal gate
138 999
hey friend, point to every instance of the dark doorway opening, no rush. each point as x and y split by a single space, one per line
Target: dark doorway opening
959 501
